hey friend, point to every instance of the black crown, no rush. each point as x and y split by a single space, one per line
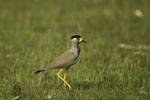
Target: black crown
75 36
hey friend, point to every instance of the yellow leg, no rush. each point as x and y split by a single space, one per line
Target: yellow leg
58 74
65 78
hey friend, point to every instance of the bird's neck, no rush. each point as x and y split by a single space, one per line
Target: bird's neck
75 47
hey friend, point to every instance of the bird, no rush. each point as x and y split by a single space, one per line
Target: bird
66 60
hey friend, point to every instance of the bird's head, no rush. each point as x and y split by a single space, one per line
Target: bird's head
77 39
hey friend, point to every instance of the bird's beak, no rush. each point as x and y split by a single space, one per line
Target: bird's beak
81 40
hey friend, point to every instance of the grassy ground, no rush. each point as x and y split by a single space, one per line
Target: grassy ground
35 32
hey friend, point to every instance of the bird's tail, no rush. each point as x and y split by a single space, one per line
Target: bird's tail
39 71
49 67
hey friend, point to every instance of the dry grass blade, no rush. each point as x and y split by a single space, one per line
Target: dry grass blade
126 46
17 97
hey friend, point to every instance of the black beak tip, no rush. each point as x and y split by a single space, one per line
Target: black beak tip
84 41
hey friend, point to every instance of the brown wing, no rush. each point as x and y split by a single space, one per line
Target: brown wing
64 60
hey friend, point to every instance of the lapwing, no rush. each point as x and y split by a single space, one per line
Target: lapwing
66 60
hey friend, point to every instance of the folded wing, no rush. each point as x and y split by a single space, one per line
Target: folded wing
66 59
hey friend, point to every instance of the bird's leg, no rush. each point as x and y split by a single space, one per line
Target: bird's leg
65 78
58 74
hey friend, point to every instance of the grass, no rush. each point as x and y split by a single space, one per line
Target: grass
34 32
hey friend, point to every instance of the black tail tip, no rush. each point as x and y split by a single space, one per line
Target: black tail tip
39 71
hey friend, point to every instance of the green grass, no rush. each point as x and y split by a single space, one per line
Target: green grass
34 32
